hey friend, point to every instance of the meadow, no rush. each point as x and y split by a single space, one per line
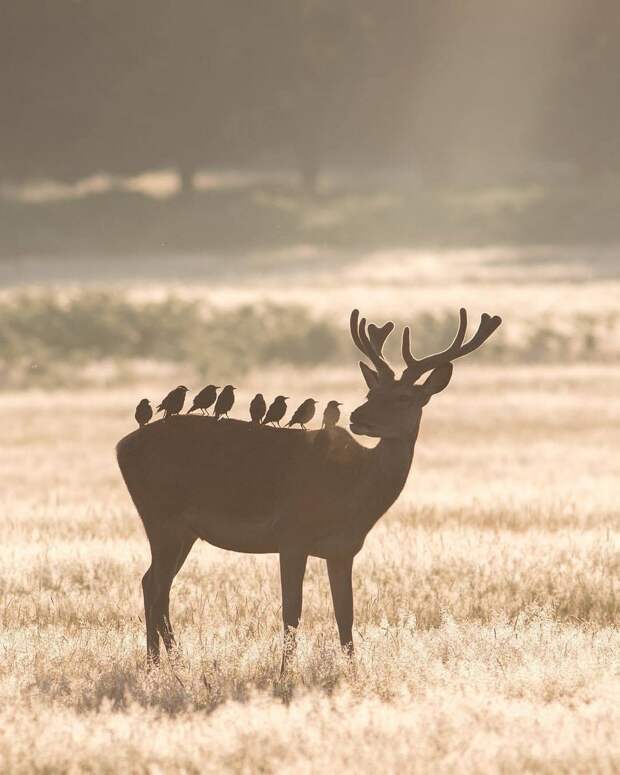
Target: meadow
487 600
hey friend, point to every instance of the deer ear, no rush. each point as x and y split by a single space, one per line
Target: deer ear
370 375
439 379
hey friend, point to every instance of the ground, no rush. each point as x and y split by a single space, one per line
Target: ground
486 600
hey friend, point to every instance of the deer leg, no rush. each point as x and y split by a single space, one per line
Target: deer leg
152 636
166 564
292 570
340 571
181 557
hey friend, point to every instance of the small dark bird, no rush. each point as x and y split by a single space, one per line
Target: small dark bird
331 415
144 412
276 411
303 414
258 407
173 402
204 399
224 402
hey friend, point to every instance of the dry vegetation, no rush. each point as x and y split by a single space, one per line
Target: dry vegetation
486 601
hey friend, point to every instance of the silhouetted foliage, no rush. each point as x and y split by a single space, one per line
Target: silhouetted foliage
123 86
47 337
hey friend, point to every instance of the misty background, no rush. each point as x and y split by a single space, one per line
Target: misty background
217 183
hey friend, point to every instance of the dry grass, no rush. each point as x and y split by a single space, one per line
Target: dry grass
486 602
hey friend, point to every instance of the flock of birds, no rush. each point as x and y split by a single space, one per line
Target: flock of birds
259 412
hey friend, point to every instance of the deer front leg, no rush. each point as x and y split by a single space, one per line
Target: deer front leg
292 570
340 572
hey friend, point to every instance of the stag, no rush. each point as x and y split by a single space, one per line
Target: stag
260 489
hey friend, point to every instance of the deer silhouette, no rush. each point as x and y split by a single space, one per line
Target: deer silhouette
261 489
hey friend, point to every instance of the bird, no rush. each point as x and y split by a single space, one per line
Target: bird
276 411
303 414
258 407
331 415
204 399
144 412
224 402
173 402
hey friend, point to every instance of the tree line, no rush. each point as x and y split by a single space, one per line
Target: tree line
446 88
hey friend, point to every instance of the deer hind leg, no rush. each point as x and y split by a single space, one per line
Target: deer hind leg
292 570
167 569
152 636
169 548
340 572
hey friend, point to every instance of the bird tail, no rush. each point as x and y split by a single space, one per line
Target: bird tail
193 409
159 408
289 424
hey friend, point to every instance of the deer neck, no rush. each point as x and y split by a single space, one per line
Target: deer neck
392 459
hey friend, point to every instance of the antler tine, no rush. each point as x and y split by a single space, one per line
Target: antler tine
413 362
371 346
382 367
415 368
460 334
486 327
406 349
354 324
378 335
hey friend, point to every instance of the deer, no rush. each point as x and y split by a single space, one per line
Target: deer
262 489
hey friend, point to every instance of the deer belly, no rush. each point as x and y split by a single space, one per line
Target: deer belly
237 534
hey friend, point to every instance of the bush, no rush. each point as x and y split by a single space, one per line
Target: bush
47 337
56 333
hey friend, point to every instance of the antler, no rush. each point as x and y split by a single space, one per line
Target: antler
371 343
415 368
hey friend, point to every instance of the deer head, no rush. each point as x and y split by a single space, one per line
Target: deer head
394 406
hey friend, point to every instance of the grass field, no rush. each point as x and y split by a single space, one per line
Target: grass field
487 600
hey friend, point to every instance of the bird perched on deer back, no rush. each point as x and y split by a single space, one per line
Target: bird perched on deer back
276 411
173 402
144 412
303 414
224 402
204 399
258 407
331 415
